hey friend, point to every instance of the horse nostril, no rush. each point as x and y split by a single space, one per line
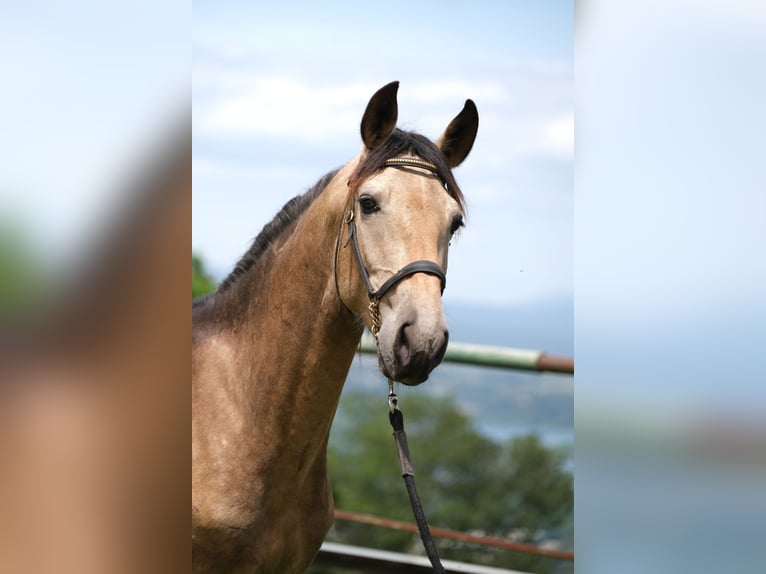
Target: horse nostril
402 340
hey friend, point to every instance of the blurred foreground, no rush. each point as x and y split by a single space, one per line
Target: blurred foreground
94 401
95 211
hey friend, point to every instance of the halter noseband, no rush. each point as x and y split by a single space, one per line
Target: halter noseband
422 266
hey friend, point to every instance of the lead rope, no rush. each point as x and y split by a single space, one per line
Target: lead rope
408 474
396 419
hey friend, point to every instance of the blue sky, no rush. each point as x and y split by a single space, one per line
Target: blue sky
278 94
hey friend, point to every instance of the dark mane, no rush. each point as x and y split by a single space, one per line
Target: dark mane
411 144
291 211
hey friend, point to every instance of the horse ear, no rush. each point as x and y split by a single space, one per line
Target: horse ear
379 118
457 140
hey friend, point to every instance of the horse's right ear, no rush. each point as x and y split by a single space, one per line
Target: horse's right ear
379 118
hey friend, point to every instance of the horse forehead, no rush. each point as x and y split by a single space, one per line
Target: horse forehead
413 188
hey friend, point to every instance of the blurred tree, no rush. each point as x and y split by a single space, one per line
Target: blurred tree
202 282
23 277
467 482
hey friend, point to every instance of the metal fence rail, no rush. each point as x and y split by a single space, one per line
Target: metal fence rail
489 356
483 540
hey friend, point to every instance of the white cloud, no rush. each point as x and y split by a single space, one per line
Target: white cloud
282 105
290 106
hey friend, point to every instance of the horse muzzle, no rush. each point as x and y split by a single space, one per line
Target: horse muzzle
411 345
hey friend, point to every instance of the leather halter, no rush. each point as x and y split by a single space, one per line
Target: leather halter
422 266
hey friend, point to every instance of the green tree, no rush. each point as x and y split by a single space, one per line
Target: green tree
24 280
202 282
466 481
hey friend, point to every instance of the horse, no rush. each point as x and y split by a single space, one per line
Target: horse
272 346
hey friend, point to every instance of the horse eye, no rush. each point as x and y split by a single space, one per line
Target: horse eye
457 223
368 204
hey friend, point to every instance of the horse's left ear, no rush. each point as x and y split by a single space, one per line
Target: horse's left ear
457 140
379 118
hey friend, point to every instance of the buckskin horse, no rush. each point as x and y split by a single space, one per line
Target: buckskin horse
271 348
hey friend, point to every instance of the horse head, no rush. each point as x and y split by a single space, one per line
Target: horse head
403 208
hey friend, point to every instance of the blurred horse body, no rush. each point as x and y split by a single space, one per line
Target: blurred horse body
94 406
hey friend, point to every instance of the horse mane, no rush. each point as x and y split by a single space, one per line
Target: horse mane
406 143
288 215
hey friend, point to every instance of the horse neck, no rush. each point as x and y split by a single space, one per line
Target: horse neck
295 339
